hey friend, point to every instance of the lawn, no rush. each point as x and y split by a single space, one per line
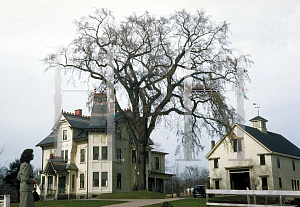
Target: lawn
189 202
71 203
201 202
132 195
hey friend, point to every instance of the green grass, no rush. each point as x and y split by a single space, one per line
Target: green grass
201 202
71 203
242 199
132 195
189 202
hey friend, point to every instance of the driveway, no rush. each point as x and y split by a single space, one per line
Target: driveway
139 202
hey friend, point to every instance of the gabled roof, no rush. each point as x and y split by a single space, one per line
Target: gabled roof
77 121
274 142
51 138
54 166
81 122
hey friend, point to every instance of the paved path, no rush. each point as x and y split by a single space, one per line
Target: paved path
138 202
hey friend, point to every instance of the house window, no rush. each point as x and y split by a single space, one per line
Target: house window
73 181
118 180
82 155
295 184
104 153
216 163
95 179
147 157
262 160
235 145
157 163
119 154
95 153
66 155
50 182
43 183
81 180
264 182
65 136
278 162
280 183
293 163
217 184
133 156
104 179
239 141
62 154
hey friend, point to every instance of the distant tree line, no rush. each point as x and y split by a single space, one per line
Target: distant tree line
186 179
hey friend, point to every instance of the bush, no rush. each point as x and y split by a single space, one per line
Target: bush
166 204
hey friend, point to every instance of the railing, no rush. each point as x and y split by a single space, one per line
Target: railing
249 193
62 191
6 201
50 191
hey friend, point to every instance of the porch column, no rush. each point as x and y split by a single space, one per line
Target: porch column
56 192
172 185
69 186
147 182
155 183
46 187
164 184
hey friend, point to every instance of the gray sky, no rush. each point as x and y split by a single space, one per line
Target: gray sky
267 30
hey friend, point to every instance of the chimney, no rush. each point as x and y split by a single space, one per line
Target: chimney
213 143
78 112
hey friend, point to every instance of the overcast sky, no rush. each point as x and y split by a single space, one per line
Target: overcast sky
29 30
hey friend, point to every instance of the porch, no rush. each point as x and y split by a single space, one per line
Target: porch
156 181
56 181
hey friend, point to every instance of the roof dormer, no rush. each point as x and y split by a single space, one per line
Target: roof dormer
259 123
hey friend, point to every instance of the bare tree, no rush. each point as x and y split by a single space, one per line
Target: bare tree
148 67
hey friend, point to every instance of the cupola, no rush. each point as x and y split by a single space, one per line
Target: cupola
259 123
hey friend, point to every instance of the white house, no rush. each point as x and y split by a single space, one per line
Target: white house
262 160
91 160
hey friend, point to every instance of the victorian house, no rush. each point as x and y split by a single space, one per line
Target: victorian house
261 160
85 156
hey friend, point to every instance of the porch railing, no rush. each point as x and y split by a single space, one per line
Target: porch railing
50 191
5 200
249 193
63 191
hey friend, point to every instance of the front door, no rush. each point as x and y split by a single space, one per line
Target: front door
62 184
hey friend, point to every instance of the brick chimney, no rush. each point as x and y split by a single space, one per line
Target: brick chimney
78 112
213 143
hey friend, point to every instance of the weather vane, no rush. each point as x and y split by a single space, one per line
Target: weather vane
257 106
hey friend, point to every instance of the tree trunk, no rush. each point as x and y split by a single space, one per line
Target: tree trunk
140 179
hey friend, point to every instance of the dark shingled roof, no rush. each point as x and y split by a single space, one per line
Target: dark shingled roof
274 142
99 115
48 140
71 167
59 167
258 118
81 135
82 123
77 121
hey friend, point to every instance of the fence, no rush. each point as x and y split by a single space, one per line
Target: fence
254 193
6 201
